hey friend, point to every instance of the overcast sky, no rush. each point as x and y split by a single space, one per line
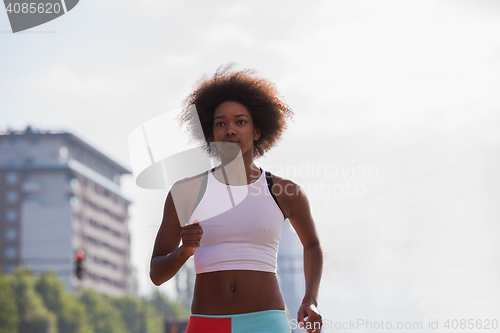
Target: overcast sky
403 93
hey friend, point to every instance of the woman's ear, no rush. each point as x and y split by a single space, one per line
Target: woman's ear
257 134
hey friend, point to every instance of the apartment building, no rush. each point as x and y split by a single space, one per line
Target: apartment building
60 195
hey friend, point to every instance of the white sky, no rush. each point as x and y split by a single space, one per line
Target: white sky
410 88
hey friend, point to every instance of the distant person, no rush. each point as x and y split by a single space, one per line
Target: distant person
230 218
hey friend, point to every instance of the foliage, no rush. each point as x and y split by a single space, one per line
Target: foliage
34 316
168 308
40 304
9 319
71 315
104 318
139 315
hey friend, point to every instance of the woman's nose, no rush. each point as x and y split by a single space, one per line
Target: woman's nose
230 130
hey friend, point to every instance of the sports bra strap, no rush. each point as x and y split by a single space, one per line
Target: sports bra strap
269 179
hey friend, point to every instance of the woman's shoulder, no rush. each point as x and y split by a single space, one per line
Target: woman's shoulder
186 194
286 191
188 186
282 184
195 178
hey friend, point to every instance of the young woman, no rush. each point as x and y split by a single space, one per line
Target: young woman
230 218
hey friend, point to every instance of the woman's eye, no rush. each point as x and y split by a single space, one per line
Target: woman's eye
220 123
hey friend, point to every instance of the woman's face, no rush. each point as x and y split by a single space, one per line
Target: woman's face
233 123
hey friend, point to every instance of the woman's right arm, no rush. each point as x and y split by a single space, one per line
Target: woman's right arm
168 257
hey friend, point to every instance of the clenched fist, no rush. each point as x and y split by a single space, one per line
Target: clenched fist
191 237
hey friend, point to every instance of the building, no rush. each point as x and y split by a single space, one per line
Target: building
59 195
291 271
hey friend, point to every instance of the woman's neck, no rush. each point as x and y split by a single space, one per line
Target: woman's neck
238 171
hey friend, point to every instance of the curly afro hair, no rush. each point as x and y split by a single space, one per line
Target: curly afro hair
258 95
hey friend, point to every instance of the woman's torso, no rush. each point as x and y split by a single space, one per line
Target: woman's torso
224 292
232 292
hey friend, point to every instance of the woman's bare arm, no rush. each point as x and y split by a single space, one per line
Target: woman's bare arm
168 257
298 211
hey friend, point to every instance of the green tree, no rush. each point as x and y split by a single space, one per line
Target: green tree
103 317
34 316
139 315
9 318
130 310
155 321
168 308
71 315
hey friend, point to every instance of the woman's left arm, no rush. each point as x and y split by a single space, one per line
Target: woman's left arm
301 219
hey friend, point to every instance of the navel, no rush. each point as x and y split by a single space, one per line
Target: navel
232 287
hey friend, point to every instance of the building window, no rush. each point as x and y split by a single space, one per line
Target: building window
11 215
11 196
12 178
10 252
74 202
74 183
63 154
11 234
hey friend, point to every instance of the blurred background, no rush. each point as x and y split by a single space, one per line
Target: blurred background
396 140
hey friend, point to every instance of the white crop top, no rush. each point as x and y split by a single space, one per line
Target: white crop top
241 227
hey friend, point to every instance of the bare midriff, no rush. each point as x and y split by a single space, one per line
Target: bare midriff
236 291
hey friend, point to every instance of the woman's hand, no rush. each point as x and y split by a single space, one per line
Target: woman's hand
314 320
191 237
